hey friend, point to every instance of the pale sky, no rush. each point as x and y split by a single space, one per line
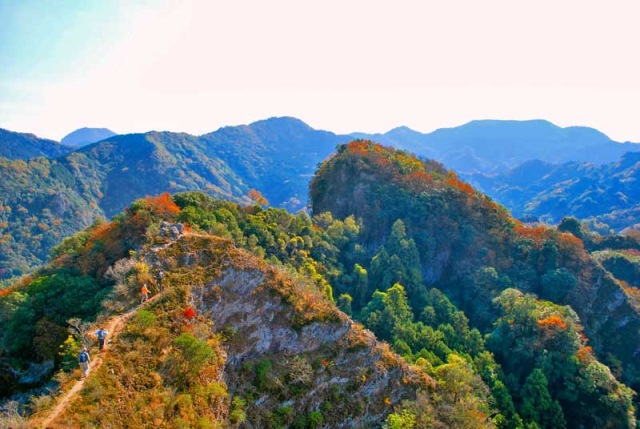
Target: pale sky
339 65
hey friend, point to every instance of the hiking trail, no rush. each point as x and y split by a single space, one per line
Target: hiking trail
114 327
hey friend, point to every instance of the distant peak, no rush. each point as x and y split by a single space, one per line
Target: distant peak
513 122
281 120
84 136
402 129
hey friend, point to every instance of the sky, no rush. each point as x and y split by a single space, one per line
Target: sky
339 65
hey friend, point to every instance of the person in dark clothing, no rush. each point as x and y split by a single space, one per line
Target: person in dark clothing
102 336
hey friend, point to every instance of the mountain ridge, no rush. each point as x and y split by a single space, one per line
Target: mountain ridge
275 156
26 146
588 191
511 142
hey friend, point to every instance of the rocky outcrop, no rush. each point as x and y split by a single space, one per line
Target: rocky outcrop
290 350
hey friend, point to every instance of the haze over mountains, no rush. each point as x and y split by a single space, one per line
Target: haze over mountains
277 157
491 146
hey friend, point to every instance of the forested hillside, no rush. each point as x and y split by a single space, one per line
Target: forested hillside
42 201
521 286
515 326
27 146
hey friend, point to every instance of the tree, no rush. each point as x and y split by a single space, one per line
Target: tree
572 225
398 261
537 405
344 303
387 312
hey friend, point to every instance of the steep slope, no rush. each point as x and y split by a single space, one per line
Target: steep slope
234 339
230 340
288 346
84 136
459 241
27 146
551 192
497 145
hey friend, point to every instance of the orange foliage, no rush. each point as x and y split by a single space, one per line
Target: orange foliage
454 182
552 323
358 147
585 354
537 234
6 291
101 232
163 205
256 196
418 180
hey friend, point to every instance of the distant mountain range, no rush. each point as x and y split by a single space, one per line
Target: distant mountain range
608 192
84 136
493 146
49 198
28 146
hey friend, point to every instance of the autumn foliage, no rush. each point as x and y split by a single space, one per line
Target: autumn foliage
163 205
189 313
552 323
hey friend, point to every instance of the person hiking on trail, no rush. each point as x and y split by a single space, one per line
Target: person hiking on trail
144 291
84 360
102 336
160 277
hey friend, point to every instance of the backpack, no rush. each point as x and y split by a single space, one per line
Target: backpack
101 334
83 357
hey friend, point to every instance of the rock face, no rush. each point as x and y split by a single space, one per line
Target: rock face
291 350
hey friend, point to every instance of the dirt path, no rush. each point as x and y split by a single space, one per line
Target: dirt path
114 327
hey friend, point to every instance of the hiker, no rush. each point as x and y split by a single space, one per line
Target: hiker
102 336
144 291
160 277
84 360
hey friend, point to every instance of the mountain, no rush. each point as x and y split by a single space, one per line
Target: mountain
494 146
422 226
27 146
243 329
277 156
84 136
231 339
45 200
606 194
